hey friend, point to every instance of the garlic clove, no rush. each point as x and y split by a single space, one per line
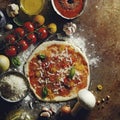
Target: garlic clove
9 27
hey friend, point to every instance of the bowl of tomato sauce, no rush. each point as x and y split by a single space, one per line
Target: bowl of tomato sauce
69 9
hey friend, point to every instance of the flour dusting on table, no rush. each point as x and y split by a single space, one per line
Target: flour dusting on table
81 42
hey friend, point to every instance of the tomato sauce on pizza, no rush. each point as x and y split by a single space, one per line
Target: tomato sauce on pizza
57 71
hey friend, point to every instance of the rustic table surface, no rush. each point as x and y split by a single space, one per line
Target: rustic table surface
99 28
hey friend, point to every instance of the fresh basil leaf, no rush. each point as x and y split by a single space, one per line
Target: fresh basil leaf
15 61
72 72
42 57
44 92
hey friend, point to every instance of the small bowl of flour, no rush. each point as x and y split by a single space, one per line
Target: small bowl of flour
13 86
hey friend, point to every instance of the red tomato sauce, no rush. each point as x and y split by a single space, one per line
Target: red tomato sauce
69 10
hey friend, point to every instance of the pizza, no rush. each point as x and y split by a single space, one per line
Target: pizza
56 71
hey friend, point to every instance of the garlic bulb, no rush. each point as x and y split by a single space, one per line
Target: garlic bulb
69 28
12 10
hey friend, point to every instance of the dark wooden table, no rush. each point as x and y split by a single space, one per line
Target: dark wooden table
99 25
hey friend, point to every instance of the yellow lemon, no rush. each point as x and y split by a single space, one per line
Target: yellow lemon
39 19
52 28
4 63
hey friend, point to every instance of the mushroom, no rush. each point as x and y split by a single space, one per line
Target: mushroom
12 10
85 99
45 109
45 114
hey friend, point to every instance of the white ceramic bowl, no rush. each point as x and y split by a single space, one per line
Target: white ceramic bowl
63 16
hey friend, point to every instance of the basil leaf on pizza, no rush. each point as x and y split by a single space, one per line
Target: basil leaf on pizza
44 92
42 57
56 71
72 72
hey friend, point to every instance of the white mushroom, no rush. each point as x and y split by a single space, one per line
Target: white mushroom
12 10
45 114
85 99
45 109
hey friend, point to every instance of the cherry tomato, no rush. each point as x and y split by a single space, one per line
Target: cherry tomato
42 33
39 20
28 26
23 44
19 32
10 38
31 38
11 51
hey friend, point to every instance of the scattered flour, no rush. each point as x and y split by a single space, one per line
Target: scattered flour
81 42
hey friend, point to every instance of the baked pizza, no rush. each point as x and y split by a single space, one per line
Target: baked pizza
56 71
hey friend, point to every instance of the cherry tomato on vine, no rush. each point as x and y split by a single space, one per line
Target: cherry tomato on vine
10 38
11 51
23 45
19 32
28 26
31 38
39 20
42 33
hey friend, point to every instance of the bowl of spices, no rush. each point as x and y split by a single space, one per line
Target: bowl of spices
13 86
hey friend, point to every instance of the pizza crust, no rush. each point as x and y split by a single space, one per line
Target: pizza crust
43 46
